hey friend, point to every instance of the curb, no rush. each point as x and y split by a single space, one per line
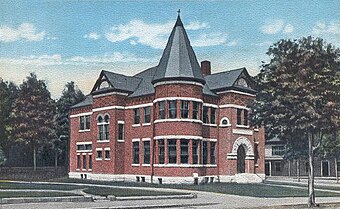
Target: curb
89 198
159 206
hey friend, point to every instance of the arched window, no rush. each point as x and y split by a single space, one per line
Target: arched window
224 122
104 84
242 82
103 127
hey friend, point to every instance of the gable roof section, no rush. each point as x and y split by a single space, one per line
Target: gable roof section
118 82
145 87
228 79
178 61
87 101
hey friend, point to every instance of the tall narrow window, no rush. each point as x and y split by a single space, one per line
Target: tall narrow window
195 110
78 161
172 109
239 116
184 151
161 110
107 154
205 115
99 154
194 152
81 123
172 151
245 117
213 115
212 152
205 153
146 152
161 151
147 115
137 116
100 128
87 122
184 109
135 153
106 127
121 130
84 161
90 161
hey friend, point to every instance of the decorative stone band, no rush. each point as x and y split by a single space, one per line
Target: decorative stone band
178 82
110 93
178 137
81 114
185 165
233 106
178 98
178 120
236 92
210 105
81 143
233 156
243 132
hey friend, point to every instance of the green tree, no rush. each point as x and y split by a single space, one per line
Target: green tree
33 115
8 95
299 93
330 148
71 95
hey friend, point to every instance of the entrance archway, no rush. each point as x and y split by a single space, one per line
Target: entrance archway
241 159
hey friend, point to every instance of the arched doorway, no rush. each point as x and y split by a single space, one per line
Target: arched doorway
241 159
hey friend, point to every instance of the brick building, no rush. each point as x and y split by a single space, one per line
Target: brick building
173 123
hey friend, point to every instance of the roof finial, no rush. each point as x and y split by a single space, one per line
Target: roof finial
179 12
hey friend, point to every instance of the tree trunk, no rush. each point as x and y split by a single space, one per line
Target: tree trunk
336 170
311 193
298 169
34 158
56 160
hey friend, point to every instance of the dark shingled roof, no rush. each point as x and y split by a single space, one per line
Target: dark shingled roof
178 61
145 86
122 82
223 79
87 101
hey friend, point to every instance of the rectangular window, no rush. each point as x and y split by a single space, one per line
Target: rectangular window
172 151
161 106
99 154
278 150
195 110
184 109
80 147
87 122
172 109
212 152
120 131
239 116
137 116
81 123
205 115
78 161
184 151
107 154
135 152
338 166
146 152
84 161
88 147
161 151
278 166
106 132
245 117
194 152
205 153
306 167
90 161
213 115
147 116
101 132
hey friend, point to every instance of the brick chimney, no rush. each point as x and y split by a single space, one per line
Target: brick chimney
205 67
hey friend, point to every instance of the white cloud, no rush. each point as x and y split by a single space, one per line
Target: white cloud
332 28
155 35
288 28
93 36
276 26
26 31
233 43
265 43
57 59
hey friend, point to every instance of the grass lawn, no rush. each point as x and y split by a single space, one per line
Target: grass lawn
253 190
304 185
14 185
121 192
5 194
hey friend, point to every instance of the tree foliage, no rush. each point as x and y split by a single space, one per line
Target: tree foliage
33 114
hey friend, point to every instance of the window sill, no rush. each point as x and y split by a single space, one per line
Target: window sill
77 169
209 124
85 130
103 141
242 126
83 169
146 124
135 165
120 140
89 170
146 165
256 129
99 159
178 120
225 125
135 125
107 158
86 151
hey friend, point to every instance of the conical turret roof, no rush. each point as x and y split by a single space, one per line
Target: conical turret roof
178 61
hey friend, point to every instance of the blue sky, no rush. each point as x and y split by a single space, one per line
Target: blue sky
63 40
